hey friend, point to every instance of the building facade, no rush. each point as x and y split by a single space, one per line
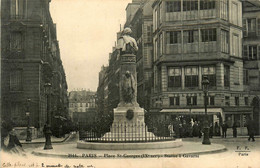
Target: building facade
251 54
30 59
193 39
82 107
141 24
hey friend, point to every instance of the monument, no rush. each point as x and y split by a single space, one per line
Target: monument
128 113
128 130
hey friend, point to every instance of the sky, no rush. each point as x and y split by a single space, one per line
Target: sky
86 31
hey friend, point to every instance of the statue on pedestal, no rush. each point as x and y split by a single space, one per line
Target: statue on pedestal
128 88
127 44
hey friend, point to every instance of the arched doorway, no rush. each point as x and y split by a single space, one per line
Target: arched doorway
256 110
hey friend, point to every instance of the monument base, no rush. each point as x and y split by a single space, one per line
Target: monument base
128 125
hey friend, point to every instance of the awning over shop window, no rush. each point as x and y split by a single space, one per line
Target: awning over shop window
200 111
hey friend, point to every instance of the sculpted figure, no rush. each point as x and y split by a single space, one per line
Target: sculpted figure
127 44
128 88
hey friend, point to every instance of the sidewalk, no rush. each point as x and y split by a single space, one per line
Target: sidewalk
42 140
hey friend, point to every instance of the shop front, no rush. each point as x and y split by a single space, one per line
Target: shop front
190 117
238 117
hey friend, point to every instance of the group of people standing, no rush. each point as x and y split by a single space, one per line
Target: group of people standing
181 128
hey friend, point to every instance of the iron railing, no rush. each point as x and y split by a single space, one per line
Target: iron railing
127 132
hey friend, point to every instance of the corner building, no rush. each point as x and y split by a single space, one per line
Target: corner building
192 39
30 59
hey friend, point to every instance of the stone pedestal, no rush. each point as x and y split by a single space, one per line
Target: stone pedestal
128 121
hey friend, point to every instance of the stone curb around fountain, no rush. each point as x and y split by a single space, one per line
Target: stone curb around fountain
70 151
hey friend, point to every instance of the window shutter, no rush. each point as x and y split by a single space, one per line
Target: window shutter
245 52
258 26
245 31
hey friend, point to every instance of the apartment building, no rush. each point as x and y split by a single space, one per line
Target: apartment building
30 59
193 39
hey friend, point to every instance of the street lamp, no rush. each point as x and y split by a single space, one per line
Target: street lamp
29 135
47 127
205 87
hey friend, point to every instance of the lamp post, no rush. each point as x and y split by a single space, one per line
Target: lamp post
29 135
205 87
47 127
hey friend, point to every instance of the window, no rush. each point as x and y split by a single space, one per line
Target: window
16 80
189 5
210 73
224 9
211 100
236 76
191 100
245 77
234 17
224 41
252 54
16 41
17 8
235 45
155 50
207 4
208 35
191 76
237 101
149 33
227 101
174 101
160 44
173 6
173 37
226 76
159 17
16 110
251 23
246 101
155 20
245 52
190 36
188 99
174 77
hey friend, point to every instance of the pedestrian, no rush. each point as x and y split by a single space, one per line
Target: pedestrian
211 130
217 130
234 127
176 127
170 128
195 131
224 129
251 129
9 141
200 129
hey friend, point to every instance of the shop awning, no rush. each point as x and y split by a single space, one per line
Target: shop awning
199 111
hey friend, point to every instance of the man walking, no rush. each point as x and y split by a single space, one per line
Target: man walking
235 129
251 129
224 129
